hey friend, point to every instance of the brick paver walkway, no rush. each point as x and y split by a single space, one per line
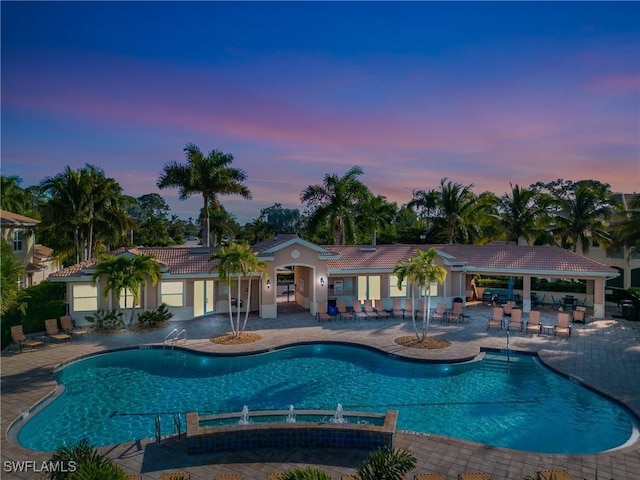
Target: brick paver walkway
604 354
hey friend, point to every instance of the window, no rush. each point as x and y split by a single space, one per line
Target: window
369 287
18 236
433 290
393 287
127 296
85 298
172 294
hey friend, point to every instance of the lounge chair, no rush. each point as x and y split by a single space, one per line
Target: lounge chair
322 314
556 475
495 320
507 308
274 476
54 332
176 476
358 311
397 308
341 305
67 325
580 315
379 309
563 325
18 336
474 476
515 322
430 476
369 310
455 314
348 477
440 312
533 324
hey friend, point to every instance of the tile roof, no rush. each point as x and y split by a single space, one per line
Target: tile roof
17 220
359 258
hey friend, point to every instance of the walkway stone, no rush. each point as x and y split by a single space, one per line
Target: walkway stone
604 355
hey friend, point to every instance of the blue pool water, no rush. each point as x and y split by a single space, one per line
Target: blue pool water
115 397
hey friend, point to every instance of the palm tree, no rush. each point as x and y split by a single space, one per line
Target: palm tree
237 260
336 202
305 474
376 213
127 274
421 272
583 215
386 463
627 232
519 214
209 176
11 271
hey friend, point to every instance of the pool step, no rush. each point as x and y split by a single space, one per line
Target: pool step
507 365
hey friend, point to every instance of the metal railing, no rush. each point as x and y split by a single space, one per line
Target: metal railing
174 336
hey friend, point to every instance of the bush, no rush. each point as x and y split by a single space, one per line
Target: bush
106 320
83 462
305 474
386 463
42 301
153 318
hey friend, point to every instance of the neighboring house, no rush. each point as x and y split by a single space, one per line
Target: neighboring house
627 265
323 273
38 261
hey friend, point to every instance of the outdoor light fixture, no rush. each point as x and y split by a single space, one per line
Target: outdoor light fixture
268 283
322 281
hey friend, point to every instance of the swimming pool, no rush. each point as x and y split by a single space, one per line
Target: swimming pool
518 404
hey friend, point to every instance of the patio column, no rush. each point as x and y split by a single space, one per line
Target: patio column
598 297
526 293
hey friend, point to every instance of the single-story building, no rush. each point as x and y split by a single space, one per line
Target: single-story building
190 285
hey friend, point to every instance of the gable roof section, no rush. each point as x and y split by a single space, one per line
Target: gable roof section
10 219
281 241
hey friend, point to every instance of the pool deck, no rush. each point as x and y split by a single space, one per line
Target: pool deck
603 354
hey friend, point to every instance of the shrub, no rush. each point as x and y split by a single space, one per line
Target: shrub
83 462
153 318
305 474
106 320
386 463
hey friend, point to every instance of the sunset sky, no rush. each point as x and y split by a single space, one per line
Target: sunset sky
484 93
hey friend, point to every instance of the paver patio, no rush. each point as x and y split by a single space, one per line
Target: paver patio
604 354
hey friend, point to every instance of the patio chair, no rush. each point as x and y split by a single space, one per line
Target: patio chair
507 308
341 305
408 309
66 322
358 311
440 312
563 325
495 320
18 336
54 332
175 476
369 310
397 309
322 314
515 322
580 315
474 476
274 476
555 475
455 314
378 307
534 323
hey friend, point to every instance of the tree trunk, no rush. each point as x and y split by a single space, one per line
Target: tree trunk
233 332
238 300
246 313
205 232
425 318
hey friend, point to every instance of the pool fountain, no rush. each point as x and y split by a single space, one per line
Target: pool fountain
291 416
244 417
338 417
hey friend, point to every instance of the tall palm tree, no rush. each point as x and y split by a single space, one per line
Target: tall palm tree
519 214
627 232
236 261
209 175
583 215
336 202
375 214
127 274
421 271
